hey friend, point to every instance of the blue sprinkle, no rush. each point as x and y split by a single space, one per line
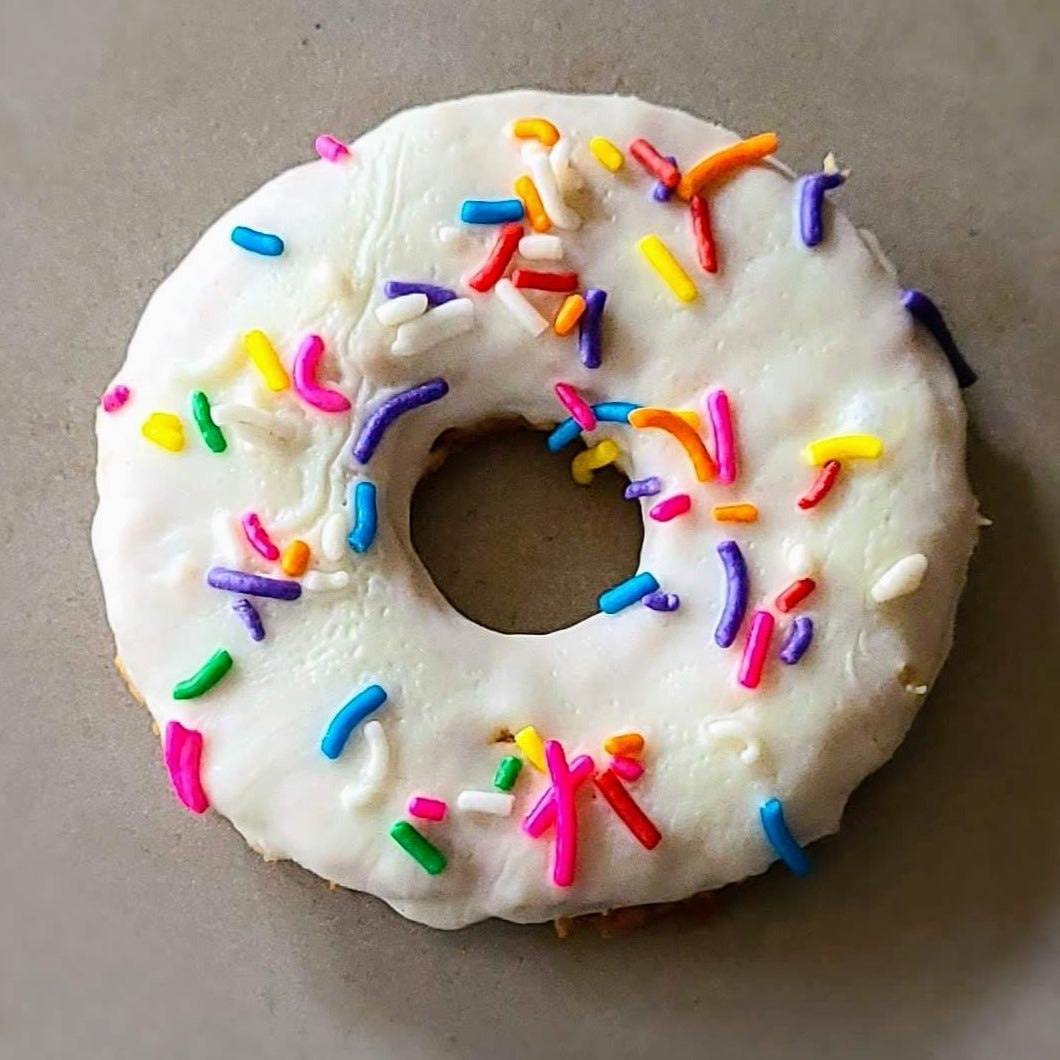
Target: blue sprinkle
365 520
643 487
435 295
257 242
781 839
662 601
605 412
249 616
628 592
484 212
347 719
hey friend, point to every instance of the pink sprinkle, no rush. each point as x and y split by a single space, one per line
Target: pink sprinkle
671 508
627 768
330 148
540 818
575 404
305 369
427 809
258 538
724 438
754 652
114 398
566 846
183 756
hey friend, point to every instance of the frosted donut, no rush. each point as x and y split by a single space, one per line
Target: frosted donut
781 409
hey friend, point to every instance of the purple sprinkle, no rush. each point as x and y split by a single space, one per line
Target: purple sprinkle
809 198
925 312
737 589
643 487
435 295
662 601
237 581
404 401
589 344
250 618
660 192
798 640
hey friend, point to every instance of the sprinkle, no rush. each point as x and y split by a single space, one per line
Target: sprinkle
666 265
567 176
627 768
450 235
535 129
557 282
664 170
625 744
211 433
631 815
349 717
737 590
318 581
333 536
397 405
237 581
781 839
604 411
501 253
165 430
306 362
589 327
483 212
368 785
258 537
566 845
797 641
901 579
671 508
516 304
115 398
643 487
560 214
496 803
605 152
525 188
844 447
266 360
248 615
754 652
402 309
809 205
665 602
205 677
366 520
745 152
662 419
627 593
533 747
257 242
541 817
925 312
427 809
801 561
724 438
436 295
507 773
295 558
735 513
576 405
423 333
182 755
589 460
822 485
703 234
569 314
541 247
421 850
794 594
330 149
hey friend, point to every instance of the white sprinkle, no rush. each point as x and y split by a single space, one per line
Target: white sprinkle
801 561
982 520
540 247
318 581
448 320
374 773
402 309
498 803
516 304
737 731
567 176
559 213
333 535
901 579
228 543
450 235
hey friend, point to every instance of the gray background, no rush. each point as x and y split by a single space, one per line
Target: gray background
931 927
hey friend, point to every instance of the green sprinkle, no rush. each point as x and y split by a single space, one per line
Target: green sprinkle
212 671
418 848
507 771
211 433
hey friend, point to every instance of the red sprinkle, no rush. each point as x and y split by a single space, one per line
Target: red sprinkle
706 249
113 399
632 816
531 279
501 253
821 485
662 169
794 594
627 768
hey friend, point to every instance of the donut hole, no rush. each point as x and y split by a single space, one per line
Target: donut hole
510 540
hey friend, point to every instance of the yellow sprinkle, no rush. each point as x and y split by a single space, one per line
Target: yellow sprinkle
844 447
528 741
569 314
665 264
590 460
535 129
295 558
266 360
605 152
628 744
164 429
535 210
735 513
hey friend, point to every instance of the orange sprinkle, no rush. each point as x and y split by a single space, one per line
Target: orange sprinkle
295 558
535 210
735 513
535 129
569 314
744 153
627 744
673 424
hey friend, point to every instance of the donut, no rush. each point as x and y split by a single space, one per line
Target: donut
651 292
